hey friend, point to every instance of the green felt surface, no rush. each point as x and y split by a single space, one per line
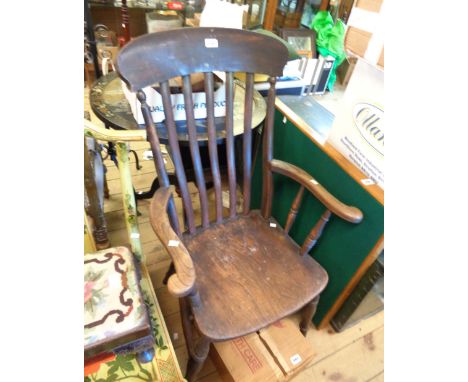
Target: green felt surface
343 246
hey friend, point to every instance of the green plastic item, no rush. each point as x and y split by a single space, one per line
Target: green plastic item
330 40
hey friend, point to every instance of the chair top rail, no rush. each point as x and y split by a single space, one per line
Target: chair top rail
160 56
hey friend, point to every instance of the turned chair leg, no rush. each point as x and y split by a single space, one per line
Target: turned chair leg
197 344
197 358
307 315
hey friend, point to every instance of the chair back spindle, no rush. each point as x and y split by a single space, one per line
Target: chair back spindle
157 155
212 146
267 155
230 155
176 156
247 142
195 150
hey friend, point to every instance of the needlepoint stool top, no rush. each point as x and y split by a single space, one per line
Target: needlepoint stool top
114 309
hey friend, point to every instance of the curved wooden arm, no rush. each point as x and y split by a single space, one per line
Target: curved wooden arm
181 283
103 134
348 213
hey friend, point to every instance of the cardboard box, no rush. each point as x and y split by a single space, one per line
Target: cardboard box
345 70
276 353
364 36
154 100
358 128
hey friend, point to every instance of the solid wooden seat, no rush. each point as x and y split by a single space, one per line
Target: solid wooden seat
256 270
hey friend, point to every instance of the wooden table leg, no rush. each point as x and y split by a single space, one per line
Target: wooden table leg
94 209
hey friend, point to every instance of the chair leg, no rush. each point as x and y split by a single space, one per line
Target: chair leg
197 358
307 315
198 345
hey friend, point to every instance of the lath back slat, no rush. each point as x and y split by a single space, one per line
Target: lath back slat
267 155
194 149
176 157
247 142
229 123
212 146
157 155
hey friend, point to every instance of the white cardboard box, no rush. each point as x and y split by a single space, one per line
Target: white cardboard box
154 100
358 129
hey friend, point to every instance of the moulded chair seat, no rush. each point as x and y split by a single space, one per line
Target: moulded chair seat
249 275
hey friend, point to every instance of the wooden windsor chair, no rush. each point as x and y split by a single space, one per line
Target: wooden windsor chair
241 272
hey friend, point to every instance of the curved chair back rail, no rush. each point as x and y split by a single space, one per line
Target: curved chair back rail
160 56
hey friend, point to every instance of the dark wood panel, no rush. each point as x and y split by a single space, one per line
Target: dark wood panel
112 18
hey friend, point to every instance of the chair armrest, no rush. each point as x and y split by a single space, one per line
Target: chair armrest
182 282
103 134
348 213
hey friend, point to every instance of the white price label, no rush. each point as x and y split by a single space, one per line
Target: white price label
272 225
367 182
135 235
211 42
173 243
148 155
295 359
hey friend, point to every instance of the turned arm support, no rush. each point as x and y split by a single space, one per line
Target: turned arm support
181 283
348 213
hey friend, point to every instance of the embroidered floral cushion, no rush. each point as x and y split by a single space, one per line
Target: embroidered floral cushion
114 310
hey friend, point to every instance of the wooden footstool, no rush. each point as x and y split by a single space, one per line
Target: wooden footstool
116 319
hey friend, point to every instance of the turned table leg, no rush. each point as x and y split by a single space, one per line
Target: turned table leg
307 315
94 205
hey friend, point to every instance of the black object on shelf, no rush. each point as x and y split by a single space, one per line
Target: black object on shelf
90 39
366 299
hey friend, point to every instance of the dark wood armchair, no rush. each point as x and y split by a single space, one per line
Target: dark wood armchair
241 272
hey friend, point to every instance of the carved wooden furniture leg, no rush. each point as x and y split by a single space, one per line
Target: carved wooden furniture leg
198 348
197 358
106 186
307 315
94 208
